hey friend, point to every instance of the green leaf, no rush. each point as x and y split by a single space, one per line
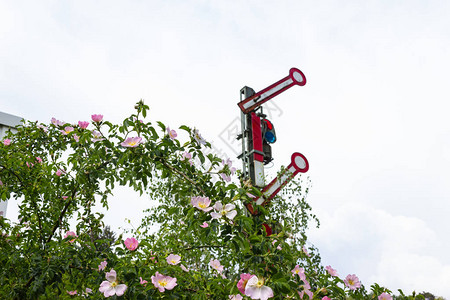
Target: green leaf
162 126
201 157
282 286
254 239
185 128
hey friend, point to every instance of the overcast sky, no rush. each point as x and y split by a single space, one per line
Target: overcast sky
372 119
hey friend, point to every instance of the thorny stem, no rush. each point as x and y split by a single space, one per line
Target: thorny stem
63 212
39 219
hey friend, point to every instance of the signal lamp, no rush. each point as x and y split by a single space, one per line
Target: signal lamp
268 131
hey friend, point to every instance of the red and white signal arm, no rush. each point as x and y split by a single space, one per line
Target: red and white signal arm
295 77
299 164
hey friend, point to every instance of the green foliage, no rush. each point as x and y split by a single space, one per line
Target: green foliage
58 177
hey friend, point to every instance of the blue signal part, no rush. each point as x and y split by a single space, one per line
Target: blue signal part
270 137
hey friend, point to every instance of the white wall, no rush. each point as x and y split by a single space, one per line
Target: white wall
7 122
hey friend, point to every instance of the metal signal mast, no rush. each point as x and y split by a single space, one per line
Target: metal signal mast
257 135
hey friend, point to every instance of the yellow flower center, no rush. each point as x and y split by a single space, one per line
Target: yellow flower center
260 282
173 261
202 205
223 212
132 143
162 283
113 284
350 282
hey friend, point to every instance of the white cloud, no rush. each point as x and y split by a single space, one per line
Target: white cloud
392 250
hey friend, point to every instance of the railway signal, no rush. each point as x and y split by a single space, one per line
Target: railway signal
257 137
295 77
299 164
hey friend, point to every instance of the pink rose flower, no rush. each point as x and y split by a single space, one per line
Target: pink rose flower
83 124
97 118
225 177
184 268
278 247
131 243
331 271
173 259
232 170
71 233
306 284
305 251
6 142
204 225
45 129
97 136
215 264
59 172
153 258
227 162
86 292
143 282
172 133
198 137
188 156
72 293
67 130
57 122
201 203
227 211
256 289
299 271
352 282
243 282
102 265
163 283
131 142
307 292
111 286
385 296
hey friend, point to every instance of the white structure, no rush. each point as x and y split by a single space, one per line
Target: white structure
7 122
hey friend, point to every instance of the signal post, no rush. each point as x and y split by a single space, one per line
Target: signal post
258 133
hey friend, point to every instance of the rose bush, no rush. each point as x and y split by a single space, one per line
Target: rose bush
197 240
